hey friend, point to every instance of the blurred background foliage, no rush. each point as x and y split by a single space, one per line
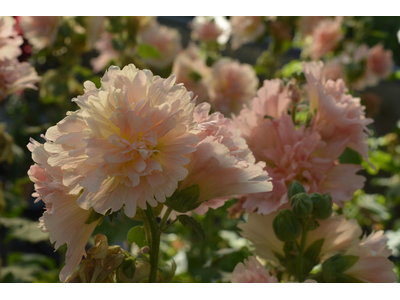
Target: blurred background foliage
26 253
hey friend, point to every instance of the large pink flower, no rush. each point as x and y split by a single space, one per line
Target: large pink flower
307 24
231 85
10 42
191 70
373 264
252 271
40 31
326 36
166 40
16 76
236 168
340 118
63 218
127 144
246 29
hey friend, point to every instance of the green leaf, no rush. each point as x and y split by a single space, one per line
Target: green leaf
185 200
136 235
24 229
192 224
94 216
350 156
314 250
148 51
290 68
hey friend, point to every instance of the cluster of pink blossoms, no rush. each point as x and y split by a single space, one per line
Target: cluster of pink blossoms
133 143
14 76
307 153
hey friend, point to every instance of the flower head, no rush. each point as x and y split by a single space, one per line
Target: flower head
127 144
246 29
379 61
210 29
40 31
166 40
252 271
326 36
231 85
107 52
191 70
9 39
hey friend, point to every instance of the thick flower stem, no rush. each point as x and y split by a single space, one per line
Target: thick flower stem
154 243
301 250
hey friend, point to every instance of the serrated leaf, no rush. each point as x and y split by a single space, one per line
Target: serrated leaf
185 200
148 51
290 68
136 235
192 224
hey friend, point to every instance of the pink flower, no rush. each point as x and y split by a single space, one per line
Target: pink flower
107 52
333 70
340 118
231 85
326 36
379 61
223 164
63 218
210 29
246 29
127 144
40 31
307 24
252 271
94 27
16 76
338 233
10 42
373 264
191 70
166 40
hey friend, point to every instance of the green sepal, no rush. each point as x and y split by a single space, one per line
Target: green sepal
313 251
286 226
312 224
301 205
95 216
185 200
192 224
333 267
294 188
137 235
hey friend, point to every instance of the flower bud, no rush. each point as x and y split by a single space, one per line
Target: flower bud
286 226
301 205
322 206
294 188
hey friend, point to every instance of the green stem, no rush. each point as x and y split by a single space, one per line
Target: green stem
154 243
301 250
294 113
165 219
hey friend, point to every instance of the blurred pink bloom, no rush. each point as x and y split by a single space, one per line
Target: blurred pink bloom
10 42
340 118
326 36
333 70
166 40
373 264
63 219
307 24
252 271
379 61
231 85
127 144
246 29
236 168
191 70
338 233
94 26
40 31
16 76
210 29
107 52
